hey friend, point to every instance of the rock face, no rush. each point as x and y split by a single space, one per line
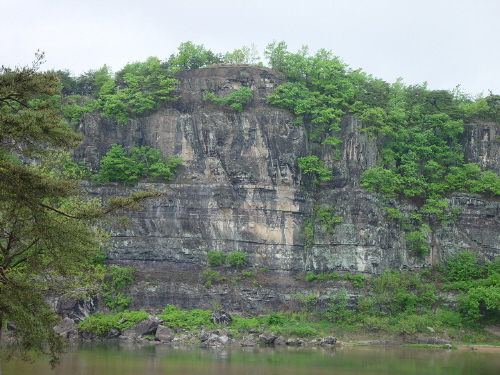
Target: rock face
239 187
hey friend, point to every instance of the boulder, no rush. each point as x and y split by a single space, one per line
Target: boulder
329 340
67 328
146 326
76 309
249 341
164 334
221 317
280 341
203 335
268 337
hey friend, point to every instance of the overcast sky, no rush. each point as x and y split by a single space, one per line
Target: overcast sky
443 42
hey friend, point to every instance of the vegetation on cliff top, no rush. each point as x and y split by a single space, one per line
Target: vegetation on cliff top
418 133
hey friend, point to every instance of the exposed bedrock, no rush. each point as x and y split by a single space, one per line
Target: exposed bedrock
239 187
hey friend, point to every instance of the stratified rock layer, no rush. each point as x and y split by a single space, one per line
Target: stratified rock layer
239 187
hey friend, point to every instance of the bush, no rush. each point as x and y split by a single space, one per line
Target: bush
462 267
242 323
376 323
216 258
128 167
100 323
337 311
303 331
236 100
275 319
174 317
411 324
208 276
116 280
236 259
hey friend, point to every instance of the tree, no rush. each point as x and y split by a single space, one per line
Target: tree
192 56
48 233
243 55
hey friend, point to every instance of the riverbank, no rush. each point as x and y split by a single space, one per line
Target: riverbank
154 330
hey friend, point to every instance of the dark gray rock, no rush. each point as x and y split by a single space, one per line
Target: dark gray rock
280 341
164 334
221 317
144 327
268 338
249 340
329 340
76 309
67 328
204 335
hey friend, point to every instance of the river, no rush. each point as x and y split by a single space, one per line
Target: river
130 359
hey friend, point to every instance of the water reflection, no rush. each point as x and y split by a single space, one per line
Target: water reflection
132 359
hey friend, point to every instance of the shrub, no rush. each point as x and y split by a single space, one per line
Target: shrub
275 319
216 258
358 280
462 267
208 276
116 280
337 311
236 259
376 323
242 323
307 301
236 100
174 317
128 167
411 323
100 323
303 331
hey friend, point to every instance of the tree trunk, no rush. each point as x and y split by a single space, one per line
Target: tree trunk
1 326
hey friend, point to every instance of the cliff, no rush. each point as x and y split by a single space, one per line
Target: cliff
239 189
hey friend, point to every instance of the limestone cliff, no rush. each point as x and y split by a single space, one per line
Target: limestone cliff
239 187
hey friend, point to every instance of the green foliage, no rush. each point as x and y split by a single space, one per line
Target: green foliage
46 241
216 258
323 276
338 312
320 89
398 292
240 323
236 259
275 319
358 280
243 55
421 158
208 276
101 323
236 100
139 162
116 280
311 164
138 89
307 301
174 317
192 56
462 267
302 331
323 217
481 303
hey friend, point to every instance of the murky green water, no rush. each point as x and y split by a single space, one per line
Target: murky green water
123 359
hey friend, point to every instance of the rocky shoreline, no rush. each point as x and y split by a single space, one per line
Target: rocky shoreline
151 331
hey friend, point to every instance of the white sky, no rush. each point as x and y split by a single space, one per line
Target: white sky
443 42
